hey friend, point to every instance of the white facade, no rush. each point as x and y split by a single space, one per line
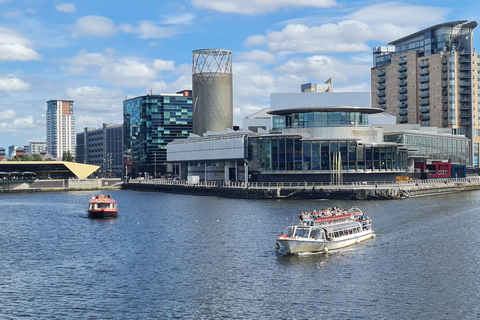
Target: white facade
60 128
281 101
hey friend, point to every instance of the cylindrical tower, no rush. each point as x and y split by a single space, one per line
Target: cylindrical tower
212 90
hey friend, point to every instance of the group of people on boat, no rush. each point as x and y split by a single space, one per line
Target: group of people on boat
330 212
315 216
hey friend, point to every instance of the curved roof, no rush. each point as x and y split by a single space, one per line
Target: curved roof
79 170
470 24
366 110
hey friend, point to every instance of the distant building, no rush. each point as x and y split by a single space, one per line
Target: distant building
102 147
151 122
12 151
212 84
35 147
318 87
60 128
260 120
2 153
430 78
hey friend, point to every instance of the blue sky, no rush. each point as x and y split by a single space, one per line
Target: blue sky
99 52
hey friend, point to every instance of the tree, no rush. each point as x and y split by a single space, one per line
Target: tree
67 156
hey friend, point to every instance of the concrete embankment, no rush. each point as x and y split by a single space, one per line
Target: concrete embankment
360 190
59 185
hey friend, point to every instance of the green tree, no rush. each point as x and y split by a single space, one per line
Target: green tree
36 157
67 156
26 157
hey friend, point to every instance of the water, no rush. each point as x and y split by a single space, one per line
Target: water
188 257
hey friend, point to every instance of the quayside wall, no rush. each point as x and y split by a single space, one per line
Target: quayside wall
59 185
308 190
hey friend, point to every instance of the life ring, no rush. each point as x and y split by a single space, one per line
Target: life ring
282 237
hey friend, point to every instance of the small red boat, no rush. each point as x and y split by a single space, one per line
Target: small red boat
102 206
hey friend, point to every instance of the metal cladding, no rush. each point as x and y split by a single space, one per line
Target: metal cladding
212 90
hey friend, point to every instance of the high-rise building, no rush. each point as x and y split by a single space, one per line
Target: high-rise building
102 147
431 78
60 128
35 147
150 123
212 90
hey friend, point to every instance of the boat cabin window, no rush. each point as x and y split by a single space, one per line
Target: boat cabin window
317 234
289 231
302 232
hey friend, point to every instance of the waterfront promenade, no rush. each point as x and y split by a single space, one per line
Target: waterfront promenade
309 190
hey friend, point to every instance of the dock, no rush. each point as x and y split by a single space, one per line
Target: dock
309 190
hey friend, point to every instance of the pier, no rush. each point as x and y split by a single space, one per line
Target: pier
309 190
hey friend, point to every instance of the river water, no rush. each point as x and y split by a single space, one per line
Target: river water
189 257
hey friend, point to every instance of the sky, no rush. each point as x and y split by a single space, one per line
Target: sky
98 53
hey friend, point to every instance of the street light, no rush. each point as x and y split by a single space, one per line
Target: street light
155 174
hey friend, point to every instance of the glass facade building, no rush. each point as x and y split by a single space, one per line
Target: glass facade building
150 123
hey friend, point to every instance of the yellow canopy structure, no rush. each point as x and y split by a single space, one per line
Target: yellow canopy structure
53 169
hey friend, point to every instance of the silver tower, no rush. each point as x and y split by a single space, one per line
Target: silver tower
212 90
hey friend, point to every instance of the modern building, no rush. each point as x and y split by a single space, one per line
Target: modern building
318 87
317 144
60 128
12 151
35 147
260 120
212 84
150 123
430 78
102 147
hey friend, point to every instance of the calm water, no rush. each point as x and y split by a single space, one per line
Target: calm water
187 257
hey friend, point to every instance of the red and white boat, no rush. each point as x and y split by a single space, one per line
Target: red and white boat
319 233
102 206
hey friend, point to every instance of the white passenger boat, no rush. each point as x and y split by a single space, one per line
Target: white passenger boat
324 231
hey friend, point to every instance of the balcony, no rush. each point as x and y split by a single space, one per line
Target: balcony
381 80
425 117
402 83
402 60
464 60
444 69
402 76
464 75
444 60
445 122
403 104
403 119
424 72
464 84
403 90
444 84
381 87
424 101
403 112
424 64
445 115
381 72
381 94
425 94
425 109
402 68
403 97
465 107
465 91
465 99
425 79
465 122
465 114
424 86
381 101
445 99
445 107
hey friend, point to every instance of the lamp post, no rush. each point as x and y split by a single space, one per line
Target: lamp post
155 168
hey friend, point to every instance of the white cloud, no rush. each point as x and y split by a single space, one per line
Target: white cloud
126 71
15 47
95 26
259 6
7 114
163 65
147 30
184 18
12 83
66 7
257 55
383 22
24 123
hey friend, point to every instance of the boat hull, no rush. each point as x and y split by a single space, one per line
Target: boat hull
102 214
303 245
